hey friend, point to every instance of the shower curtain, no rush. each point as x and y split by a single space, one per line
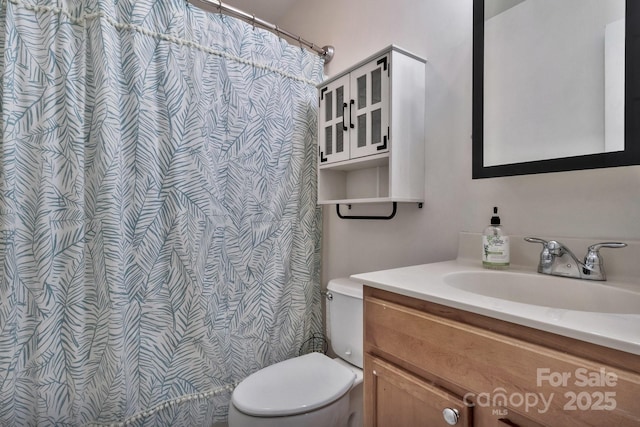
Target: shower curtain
159 234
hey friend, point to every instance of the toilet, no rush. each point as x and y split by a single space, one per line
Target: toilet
312 390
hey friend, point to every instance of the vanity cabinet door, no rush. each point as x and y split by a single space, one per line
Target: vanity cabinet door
397 398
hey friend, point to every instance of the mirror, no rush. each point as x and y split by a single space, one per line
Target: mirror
556 85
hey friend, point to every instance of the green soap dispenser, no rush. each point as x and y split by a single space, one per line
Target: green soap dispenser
495 245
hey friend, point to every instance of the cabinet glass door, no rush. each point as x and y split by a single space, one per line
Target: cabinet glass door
370 108
333 134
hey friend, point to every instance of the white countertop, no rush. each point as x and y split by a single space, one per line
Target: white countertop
425 282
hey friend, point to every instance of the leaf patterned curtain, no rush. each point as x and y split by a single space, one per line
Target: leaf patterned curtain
159 235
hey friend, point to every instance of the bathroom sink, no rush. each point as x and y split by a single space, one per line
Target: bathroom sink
547 291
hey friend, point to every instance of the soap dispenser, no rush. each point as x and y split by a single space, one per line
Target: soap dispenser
495 245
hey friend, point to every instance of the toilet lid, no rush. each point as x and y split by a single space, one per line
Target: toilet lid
293 386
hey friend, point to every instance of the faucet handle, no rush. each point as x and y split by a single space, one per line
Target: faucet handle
593 262
551 247
597 246
557 248
546 258
536 240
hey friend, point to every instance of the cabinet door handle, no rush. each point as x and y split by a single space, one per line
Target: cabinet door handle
344 112
508 422
451 416
351 104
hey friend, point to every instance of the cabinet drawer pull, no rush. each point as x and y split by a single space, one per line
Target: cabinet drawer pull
506 421
451 416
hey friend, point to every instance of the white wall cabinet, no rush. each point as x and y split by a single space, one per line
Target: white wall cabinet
371 131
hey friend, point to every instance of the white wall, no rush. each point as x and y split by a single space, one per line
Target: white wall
603 203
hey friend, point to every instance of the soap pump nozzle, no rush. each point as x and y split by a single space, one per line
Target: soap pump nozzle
495 219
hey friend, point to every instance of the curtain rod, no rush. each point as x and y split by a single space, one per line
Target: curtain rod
218 7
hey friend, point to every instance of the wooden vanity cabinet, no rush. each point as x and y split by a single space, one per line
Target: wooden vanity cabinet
424 361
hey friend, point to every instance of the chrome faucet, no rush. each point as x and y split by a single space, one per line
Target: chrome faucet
557 260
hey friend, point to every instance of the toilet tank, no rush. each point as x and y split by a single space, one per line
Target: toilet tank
344 319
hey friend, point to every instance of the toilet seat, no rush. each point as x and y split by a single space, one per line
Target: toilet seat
293 386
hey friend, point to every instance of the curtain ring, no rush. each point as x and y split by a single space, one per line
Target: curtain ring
299 42
278 32
219 6
253 21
